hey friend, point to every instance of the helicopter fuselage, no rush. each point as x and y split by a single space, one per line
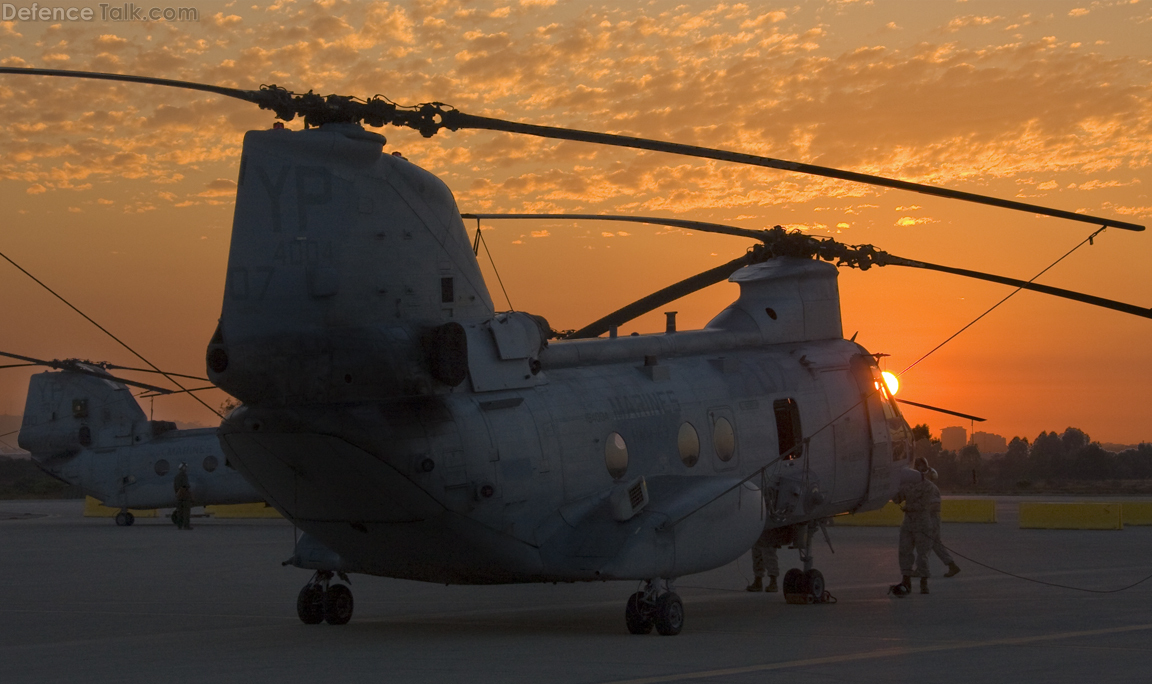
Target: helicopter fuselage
414 432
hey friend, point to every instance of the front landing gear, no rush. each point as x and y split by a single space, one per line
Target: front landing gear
653 607
321 601
125 518
807 585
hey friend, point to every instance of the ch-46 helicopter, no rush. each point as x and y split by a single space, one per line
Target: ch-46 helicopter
83 426
412 431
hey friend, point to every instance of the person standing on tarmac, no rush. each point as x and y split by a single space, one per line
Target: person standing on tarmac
764 561
183 514
916 495
937 545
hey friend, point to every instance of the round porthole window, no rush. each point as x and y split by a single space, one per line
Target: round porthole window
616 455
689 443
723 439
210 463
162 467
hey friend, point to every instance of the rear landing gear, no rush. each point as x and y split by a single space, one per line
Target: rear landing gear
655 606
321 601
125 518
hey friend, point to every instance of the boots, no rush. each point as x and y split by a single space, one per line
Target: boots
901 589
758 586
923 585
953 570
771 584
907 584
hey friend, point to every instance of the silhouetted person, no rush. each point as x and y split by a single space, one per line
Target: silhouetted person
183 516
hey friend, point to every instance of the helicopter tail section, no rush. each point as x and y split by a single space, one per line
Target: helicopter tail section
66 412
342 259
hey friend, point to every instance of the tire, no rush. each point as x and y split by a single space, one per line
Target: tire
337 605
796 586
814 580
131 518
634 615
310 604
794 581
669 614
122 519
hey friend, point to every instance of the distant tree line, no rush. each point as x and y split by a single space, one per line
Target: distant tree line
1067 456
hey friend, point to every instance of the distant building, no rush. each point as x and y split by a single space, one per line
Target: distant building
989 443
953 438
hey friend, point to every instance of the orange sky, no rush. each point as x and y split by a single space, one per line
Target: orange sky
120 196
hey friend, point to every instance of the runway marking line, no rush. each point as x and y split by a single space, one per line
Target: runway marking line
873 655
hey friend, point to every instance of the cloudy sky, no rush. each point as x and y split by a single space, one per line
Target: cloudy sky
120 196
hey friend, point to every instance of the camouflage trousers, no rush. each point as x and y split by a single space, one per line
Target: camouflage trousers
916 537
937 547
764 561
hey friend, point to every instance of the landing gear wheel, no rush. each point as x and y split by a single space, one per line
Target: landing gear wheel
310 604
795 586
669 614
338 604
125 519
637 615
815 581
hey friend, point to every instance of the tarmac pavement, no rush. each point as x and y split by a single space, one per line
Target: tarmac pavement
84 600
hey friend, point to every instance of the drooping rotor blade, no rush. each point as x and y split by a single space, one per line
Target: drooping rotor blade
660 298
940 410
113 366
246 95
1024 284
779 242
702 226
455 120
76 366
184 391
430 117
314 109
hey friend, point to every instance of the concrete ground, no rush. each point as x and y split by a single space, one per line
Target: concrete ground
84 600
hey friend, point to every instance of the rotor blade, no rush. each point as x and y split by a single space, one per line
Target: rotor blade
659 298
19 365
940 410
186 391
246 95
702 226
149 370
431 117
74 366
455 120
1023 284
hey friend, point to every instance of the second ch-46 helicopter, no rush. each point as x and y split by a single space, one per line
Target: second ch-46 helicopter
82 426
412 431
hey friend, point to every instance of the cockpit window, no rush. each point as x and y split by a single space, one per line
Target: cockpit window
891 410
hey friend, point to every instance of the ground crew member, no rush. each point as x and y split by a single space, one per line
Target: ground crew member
764 561
937 545
916 495
183 514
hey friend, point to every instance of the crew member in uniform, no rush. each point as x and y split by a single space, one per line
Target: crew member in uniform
183 515
764 561
937 545
916 496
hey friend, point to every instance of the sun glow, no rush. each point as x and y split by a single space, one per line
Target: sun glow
892 382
